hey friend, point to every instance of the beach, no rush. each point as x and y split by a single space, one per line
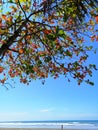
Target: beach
50 125
40 129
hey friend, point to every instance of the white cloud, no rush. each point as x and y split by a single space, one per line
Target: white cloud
47 110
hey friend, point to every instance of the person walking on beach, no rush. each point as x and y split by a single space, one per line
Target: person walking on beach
61 127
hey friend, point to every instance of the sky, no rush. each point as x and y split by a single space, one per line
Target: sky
55 100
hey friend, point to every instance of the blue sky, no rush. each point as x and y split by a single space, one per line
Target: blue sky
56 100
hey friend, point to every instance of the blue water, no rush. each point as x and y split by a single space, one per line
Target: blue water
75 124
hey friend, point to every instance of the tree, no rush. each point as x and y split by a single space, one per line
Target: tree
39 38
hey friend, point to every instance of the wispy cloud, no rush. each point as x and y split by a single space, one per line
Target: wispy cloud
47 110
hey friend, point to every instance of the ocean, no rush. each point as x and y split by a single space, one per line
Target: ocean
67 124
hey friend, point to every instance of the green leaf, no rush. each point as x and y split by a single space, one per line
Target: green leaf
61 32
68 53
93 66
76 64
57 30
65 17
48 58
51 37
89 48
89 82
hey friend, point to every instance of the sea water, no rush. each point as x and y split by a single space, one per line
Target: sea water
67 124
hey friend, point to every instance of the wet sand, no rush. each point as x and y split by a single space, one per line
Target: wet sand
38 129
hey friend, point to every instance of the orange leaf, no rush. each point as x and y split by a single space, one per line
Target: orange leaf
9 19
47 31
0 1
96 38
52 22
4 17
3 80
12 75
21 51
96 17
1 69
93 38
0 20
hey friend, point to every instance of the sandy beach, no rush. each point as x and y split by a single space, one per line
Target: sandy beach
38 129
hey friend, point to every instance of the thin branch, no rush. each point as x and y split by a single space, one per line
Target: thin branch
22 9
11 39
13 50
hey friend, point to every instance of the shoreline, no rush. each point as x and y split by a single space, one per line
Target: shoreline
39 129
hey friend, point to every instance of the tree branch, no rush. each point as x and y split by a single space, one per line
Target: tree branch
11 39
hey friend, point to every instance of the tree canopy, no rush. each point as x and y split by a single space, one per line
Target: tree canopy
41 38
